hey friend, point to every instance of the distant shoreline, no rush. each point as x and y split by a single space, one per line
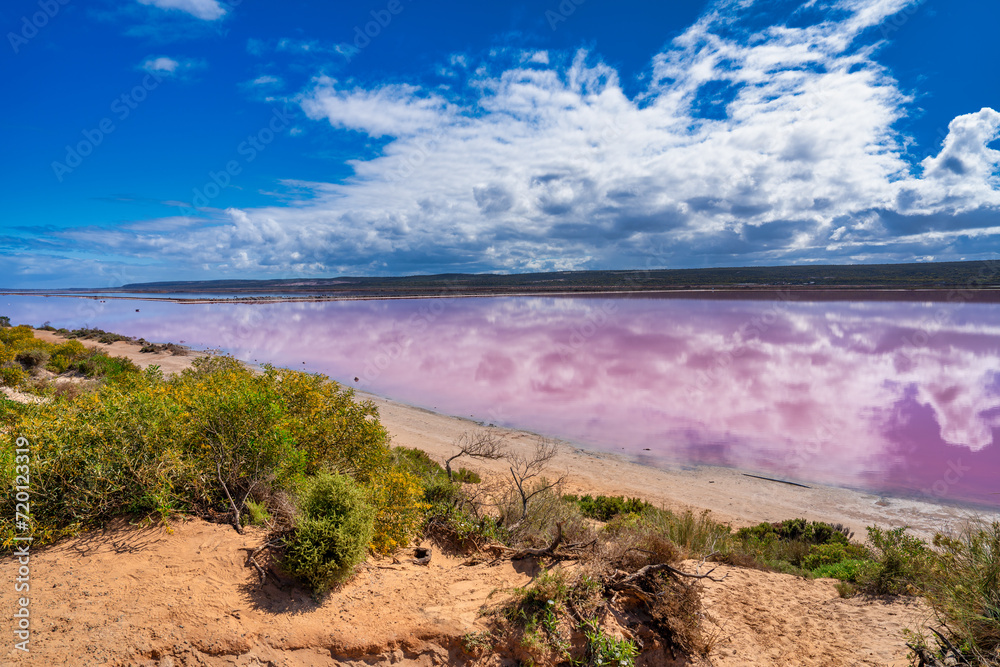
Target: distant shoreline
791 294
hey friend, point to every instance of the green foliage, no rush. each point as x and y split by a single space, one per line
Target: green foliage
845 570
259 516
899 563
331 536
139 443
97 364
964 589
99 335
603 649
397 497
537 616
12 376
21 351
4 321
605 508
815 532
794 546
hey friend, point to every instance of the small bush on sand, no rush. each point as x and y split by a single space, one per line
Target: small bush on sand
97 364
258 514
335 526
34 358
794 546
899 563
605 508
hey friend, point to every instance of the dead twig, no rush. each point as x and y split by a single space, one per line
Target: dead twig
232 503
657 567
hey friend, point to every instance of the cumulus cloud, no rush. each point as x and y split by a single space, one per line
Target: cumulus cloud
207 10
765 146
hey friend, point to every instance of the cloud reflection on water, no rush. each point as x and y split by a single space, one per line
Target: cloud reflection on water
898 397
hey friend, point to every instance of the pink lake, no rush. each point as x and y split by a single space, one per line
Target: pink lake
893 398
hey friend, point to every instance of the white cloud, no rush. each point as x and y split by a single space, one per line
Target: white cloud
769 147
395 110
165 66
267 80
161 65
208 10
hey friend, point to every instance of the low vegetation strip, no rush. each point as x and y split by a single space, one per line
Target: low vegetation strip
297 453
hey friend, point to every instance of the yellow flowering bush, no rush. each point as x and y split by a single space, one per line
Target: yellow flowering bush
398 497
138 443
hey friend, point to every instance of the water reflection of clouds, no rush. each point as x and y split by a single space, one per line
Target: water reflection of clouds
873 394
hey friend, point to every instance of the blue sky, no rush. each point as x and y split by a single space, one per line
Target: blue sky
197 139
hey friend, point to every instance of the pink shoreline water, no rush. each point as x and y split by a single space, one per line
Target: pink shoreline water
897 398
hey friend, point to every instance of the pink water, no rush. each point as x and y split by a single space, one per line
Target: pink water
899 398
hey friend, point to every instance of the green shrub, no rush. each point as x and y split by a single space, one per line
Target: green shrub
332 534
12 376
845 570
816 532
964 590
899 563
4 321
97 364
138 443
466 476
794 546
605 508
34 358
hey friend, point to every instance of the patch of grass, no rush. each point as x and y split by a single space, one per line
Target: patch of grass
694 534
602 649
543 616
605 508
846 570
258 514
97 364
